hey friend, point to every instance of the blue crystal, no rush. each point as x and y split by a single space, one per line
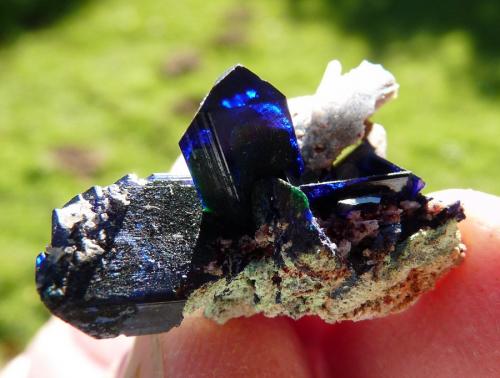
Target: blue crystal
360 186
239 99
415 185
153 236
40 259
242 132
362 173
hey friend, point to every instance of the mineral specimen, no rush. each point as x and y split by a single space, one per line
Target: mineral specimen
253 231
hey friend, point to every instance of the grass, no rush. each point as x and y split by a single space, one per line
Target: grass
84 101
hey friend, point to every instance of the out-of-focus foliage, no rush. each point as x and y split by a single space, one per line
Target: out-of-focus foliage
19 15
385 23
106 87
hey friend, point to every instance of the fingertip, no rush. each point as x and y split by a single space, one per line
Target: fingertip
481 228
480 207
60 350
253 346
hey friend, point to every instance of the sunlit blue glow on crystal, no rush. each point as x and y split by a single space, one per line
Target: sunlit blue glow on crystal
325 189
268 109
308 215
251 93
403 181
278 117
40 259
417 184
203 139
275 114
239 99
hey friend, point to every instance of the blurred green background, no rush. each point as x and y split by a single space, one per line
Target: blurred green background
92 90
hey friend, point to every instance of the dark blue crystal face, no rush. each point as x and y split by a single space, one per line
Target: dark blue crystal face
362 173
242 133
361 186
362 162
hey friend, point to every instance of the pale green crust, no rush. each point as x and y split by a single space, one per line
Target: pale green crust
317 283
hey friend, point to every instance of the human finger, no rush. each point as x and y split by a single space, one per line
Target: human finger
243 347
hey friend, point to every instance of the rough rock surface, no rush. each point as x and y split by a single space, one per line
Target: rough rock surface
309 275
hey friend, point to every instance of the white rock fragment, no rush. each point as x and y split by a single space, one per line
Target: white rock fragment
377 137
335 116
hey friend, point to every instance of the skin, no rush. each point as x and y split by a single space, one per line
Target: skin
452 331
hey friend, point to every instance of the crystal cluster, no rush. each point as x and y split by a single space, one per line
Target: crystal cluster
271 220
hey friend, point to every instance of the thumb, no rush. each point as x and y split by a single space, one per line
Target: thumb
243 347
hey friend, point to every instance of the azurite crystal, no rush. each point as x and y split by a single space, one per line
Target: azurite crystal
363 173
242 132
121 255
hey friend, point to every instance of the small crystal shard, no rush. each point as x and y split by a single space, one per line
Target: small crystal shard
242 132
363 172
